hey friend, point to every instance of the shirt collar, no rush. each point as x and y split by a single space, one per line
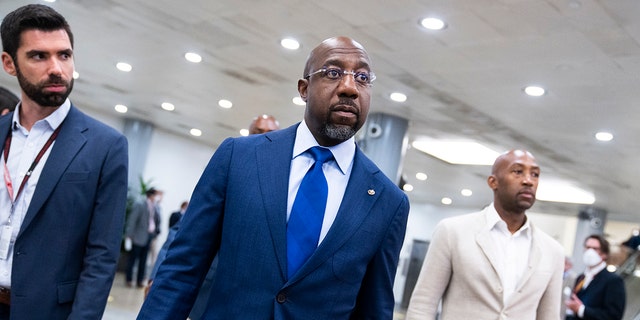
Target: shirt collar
591 272
54 120
494 221
343 152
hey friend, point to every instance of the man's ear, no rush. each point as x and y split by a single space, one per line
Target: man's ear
8 64
492 181
303 84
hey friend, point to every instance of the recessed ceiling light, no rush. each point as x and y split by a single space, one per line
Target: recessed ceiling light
398 97
407 187
168 106
298 101
193 57
421 176
290 43
535 91
244 132
195 132
433 23
123 66
604 136
225 104
446 201
49 0
466 192
76 75
121 108
457 151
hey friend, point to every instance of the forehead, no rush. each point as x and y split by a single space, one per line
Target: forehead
341 56
34 39
592 243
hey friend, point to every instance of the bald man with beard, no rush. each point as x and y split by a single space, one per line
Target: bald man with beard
493 264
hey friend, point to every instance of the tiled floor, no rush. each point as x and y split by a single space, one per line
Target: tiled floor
124 303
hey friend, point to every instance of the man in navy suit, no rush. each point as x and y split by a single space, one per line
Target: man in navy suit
598 293
63 197
240 209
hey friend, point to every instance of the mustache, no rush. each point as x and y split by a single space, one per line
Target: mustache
55 79
340 105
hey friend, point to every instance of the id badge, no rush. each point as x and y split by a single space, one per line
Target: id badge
5 241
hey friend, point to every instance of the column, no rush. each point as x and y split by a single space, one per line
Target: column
591 220
384 140
138 133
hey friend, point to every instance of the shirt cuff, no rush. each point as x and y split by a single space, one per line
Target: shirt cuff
581 312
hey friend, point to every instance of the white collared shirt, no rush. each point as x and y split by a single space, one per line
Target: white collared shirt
337 173
25 145
512 251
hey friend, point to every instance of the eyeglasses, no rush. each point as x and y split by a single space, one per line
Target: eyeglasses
363 78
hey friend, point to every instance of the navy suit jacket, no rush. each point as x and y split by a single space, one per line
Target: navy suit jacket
239 210
604 298
66 252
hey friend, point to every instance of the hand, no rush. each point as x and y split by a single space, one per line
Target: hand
147 288
573 303
128 244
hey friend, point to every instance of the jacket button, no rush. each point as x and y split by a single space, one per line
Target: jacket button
281 298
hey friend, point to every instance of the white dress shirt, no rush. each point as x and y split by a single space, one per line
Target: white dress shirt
25 146
336 172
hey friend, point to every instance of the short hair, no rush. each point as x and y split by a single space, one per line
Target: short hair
8 100
30 17
604 244
150 192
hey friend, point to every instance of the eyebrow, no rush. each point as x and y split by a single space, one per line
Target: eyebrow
340 63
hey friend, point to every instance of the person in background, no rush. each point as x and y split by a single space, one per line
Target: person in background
61 222
493 264
598 294
142 226
8 101
568 281
261 124
258 193
176 216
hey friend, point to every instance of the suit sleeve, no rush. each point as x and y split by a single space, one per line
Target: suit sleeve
549 306
375 299
105 234
433 279
614 301
196 243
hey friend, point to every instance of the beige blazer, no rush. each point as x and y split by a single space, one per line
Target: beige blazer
459 270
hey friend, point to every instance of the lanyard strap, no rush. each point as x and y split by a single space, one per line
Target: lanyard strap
7 177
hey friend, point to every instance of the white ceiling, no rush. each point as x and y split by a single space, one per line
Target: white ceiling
463 82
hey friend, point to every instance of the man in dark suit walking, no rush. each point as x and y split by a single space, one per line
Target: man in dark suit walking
598 293
63 199
142 226
247 210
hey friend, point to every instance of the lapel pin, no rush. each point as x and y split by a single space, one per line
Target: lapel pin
371 192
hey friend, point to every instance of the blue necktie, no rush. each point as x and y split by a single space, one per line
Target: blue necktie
307 213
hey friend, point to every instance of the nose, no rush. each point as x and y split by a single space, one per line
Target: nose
528 179
347 87
55 66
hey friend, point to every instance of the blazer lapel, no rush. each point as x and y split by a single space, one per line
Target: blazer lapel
357 203
273 158
485 242
69 142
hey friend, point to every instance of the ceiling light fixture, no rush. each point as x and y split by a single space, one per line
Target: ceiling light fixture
298 101
558 190
76 75
446 201
168 106
534 91
398 97
466 192
225 104
123 66
421 176
244 132
433 23
121 108
457 151
407 187
195 132
290 43
604 136
193 57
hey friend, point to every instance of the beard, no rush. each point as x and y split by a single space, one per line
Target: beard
340 133
36 92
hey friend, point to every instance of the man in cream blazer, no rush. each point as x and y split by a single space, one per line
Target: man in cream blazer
493 264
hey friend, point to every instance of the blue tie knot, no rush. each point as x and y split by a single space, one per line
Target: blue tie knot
320 154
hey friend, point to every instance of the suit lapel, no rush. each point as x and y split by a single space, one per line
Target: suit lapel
70 140
356 205
273 158
486 244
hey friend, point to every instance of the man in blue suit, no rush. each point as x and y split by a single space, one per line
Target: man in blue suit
63 197
240 211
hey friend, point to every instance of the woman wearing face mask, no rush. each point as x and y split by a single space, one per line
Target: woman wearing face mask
598 293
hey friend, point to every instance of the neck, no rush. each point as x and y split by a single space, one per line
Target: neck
30 113
514 220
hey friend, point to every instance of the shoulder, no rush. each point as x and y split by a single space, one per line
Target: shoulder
84 122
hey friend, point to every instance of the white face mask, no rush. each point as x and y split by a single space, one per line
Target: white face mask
591 258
